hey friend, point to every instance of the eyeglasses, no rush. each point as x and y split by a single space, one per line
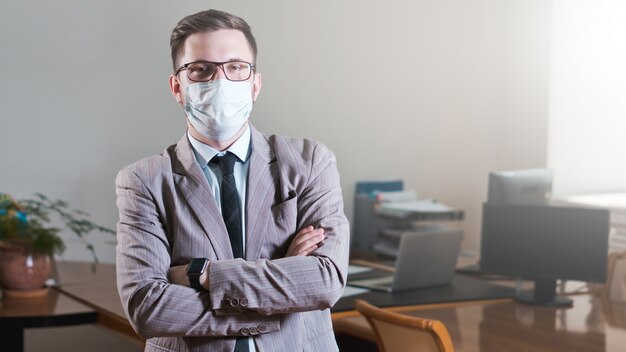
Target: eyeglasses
204 71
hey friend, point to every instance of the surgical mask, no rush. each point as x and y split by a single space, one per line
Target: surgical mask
218 109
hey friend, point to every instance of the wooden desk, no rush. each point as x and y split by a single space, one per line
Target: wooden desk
496 325
593 324
97 290
54 309
462 288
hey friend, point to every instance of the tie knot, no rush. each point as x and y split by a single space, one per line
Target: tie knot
225 162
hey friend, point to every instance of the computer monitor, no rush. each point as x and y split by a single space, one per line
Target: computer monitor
525 186
529 186
545 243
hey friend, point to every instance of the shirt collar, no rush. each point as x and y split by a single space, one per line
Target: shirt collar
204 153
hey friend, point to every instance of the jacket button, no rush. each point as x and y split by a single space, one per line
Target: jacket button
254 331
243 302
245 331
234 302
261 328
226 302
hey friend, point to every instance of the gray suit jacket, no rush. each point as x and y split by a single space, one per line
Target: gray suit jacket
168 215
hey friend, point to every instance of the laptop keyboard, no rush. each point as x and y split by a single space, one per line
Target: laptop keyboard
384 281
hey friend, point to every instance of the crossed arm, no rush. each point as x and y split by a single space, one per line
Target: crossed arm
304 243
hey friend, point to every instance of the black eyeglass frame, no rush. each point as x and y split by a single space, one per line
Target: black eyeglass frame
218 64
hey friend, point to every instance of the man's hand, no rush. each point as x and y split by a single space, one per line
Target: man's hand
306 241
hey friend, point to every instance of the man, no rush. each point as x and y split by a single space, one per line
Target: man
253 223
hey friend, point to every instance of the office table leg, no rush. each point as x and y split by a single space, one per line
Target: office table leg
15 339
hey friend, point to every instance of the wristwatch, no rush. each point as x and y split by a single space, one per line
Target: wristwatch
196 267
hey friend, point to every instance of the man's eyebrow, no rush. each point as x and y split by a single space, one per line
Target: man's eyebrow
229 60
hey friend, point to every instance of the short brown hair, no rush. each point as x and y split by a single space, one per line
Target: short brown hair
207 21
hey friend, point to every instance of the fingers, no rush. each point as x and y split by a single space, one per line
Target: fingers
306 241
306 234
311 249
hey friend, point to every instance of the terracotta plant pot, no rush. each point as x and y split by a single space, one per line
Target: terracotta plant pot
21 270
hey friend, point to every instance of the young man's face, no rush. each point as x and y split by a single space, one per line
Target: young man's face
218 46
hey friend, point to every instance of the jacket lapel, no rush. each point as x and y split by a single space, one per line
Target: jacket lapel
262 178
192 184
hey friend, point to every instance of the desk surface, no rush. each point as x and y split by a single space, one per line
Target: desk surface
53 309
462 288
96 289
593 324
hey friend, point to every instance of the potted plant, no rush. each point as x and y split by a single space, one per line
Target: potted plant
28 240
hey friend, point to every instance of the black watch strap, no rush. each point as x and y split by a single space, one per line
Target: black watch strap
194 281
195 269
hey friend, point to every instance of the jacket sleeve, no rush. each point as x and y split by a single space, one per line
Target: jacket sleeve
153 306
294 284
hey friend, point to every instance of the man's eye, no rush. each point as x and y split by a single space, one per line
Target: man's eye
199 69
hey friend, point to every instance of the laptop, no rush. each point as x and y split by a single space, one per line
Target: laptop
424 259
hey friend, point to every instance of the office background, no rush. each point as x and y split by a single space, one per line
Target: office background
437 93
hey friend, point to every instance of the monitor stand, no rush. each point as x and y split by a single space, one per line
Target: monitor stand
544 294
472 269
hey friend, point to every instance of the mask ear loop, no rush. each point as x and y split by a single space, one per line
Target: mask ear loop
252 85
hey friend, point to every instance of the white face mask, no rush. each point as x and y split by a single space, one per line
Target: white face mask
218 109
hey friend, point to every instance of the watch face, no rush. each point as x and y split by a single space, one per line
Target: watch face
197 266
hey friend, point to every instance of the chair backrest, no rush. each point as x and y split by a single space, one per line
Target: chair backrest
615 287
403 333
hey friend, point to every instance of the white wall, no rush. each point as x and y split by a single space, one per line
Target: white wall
588 97
437 93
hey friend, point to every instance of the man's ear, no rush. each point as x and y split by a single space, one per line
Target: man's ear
176 89
256 86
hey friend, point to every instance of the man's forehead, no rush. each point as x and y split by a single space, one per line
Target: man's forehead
223 42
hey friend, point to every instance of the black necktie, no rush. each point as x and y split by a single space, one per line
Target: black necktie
229 198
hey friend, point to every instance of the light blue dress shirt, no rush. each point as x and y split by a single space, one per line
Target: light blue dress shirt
213 173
